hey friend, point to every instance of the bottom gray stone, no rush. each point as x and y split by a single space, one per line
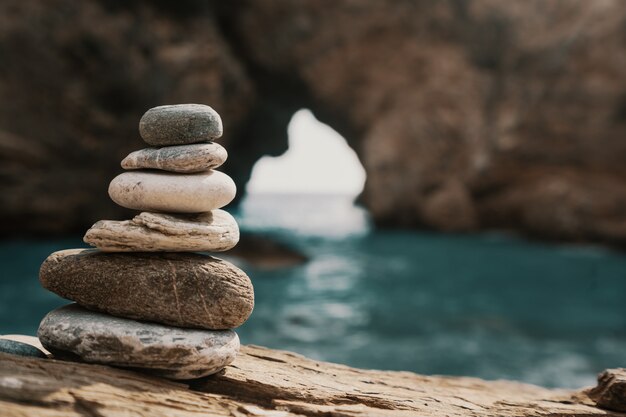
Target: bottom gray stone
171 352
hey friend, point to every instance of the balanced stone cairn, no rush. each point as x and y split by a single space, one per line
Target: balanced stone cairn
144 298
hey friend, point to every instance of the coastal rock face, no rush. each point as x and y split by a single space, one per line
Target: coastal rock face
170 352
466 115
186 290
504 115
214 231
176 193
184 159
74 80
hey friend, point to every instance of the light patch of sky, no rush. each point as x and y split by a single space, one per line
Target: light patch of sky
318 161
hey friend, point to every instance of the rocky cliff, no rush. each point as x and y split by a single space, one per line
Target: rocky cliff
466 115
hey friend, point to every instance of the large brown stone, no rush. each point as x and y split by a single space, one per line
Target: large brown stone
186 290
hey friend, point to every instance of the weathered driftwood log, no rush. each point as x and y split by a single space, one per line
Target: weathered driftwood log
263 382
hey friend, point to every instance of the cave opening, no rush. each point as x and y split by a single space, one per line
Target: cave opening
317 161
312 186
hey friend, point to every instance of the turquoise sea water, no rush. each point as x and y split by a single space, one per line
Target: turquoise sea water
487 305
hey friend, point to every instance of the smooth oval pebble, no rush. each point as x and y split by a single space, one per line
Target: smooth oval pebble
29 340
179 289
184 158
180 124
75 332
175 193
214 231
18 348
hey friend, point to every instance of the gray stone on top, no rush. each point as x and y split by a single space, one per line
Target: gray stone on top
180 124
18 348
171 352
197 157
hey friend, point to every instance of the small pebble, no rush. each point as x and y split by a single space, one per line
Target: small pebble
19 348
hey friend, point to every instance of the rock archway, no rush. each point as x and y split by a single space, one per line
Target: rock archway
466 115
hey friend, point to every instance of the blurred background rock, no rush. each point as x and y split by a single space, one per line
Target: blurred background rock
466 115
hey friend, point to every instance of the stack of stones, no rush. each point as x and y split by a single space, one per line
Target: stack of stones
145 298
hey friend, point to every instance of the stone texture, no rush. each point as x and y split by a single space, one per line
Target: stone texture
73 331
272 383
180 124
520 104
610 393
184 158
176 193
19 348
179 289
214 231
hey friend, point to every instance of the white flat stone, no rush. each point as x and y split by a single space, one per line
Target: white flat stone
174 193
214 231
172 352
183 158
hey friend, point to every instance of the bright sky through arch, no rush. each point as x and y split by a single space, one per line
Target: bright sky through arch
318 161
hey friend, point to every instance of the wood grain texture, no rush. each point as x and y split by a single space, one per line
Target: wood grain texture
264 382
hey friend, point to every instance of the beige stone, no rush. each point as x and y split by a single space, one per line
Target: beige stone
214 231
169 192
